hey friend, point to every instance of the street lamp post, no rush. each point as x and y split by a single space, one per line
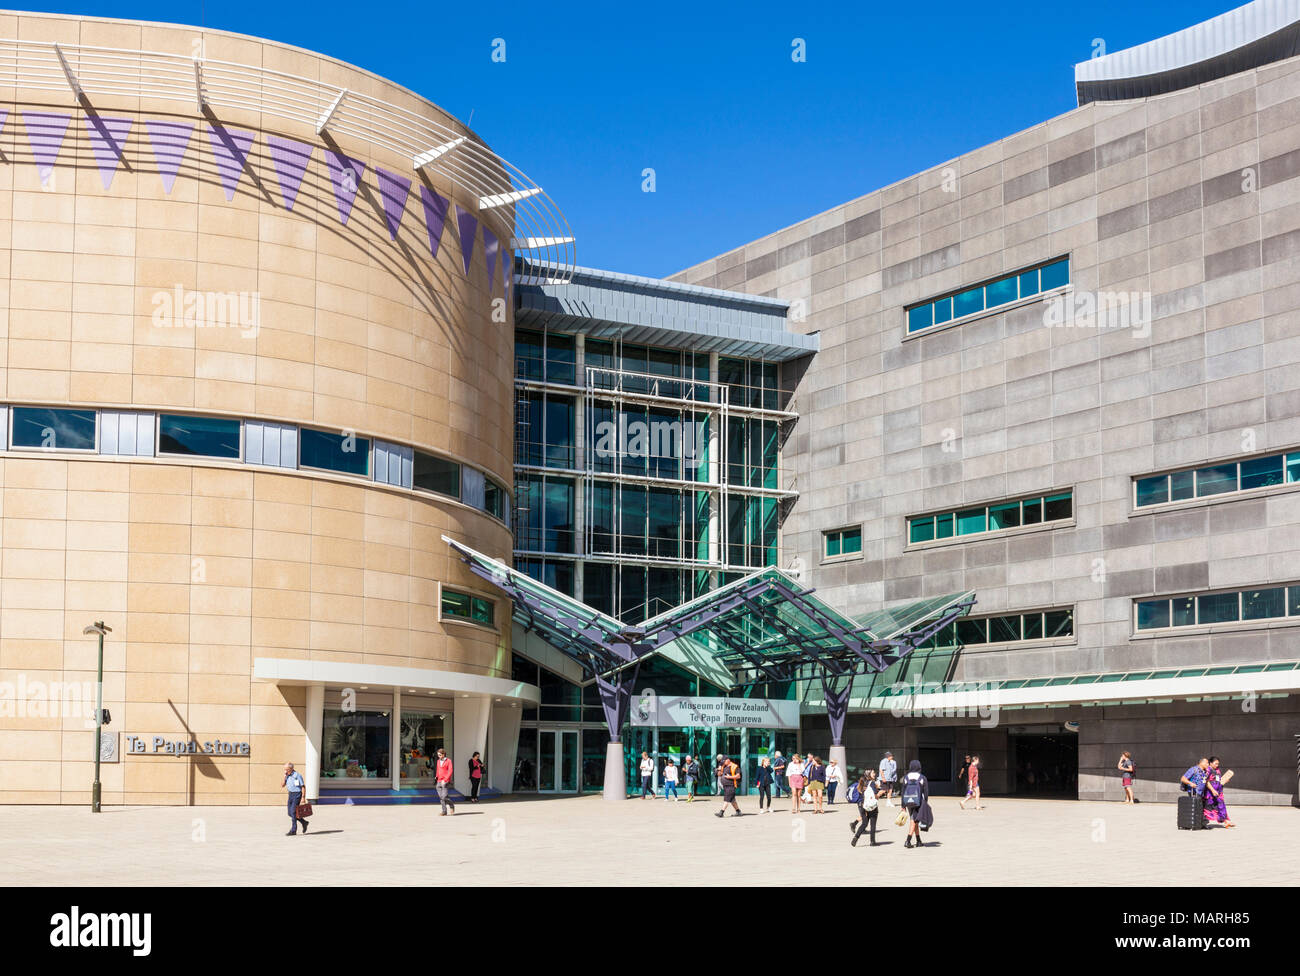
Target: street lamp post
100 628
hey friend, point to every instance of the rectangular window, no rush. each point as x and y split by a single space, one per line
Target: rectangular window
991 295
1033 626
344 453
126 433
1152 491
972 631
1262 472
843 542
57 430
1152 614
1263 604
494 499
1058 623
1057 507
436 474
272 444
992 518
1184 611
1218 608
1004 516
1004 629
215 437
466 606
1216 480
394 464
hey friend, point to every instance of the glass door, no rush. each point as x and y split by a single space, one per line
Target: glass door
557 761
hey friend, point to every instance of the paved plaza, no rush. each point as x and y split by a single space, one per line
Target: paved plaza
586 841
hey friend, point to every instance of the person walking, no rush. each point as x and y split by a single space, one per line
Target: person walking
443 773
764 782
794 772
729 777
868 808
294 783
834 777
816 773
888 775
647 775
670 780
965 768
915 795
778 775
691 770
1126 768
1216 808
475 776
972 784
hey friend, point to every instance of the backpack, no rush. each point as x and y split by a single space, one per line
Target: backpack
912 792
869 801
855 795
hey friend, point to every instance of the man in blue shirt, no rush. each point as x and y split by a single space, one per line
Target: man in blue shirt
778 775
888 776
1193 781
294 783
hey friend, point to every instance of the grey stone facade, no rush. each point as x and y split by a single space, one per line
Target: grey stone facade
1191 197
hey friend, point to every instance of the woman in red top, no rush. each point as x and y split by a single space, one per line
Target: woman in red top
973 783
475 776
443 773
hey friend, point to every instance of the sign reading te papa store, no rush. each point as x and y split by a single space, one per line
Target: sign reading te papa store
160 745
668 710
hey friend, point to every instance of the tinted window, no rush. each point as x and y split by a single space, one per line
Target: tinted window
1261 604
919 318
1055 275
968 302
1152 491
1260 472
1056 507
62 430
1000 292
971 631
1003 629
922 530
1216 480
335 452
1059 623
1152 614
1004 516
198 436
1184 613
1218 608
971 520
1181 486
437 474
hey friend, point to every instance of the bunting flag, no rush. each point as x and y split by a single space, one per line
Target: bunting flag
345 174
435 216
169 140
467 224
4 117
230 150
108 141
393 190
490 248
290 159
45 132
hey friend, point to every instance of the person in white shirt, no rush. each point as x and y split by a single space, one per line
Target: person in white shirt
670 780
834 777
647 775
794 773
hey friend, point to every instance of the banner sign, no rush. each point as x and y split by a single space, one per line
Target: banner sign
669 710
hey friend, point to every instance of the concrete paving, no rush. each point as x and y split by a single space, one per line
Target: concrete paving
586 841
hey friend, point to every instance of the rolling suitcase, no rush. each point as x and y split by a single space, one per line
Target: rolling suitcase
1191 812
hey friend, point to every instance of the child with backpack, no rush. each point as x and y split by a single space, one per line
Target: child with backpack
916 794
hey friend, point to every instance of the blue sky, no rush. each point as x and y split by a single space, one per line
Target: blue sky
743 140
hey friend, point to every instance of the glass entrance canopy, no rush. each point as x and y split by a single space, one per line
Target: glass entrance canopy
761 628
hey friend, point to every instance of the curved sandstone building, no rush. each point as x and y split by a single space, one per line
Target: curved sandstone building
252 374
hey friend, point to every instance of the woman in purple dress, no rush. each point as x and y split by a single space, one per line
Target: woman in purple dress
1216 809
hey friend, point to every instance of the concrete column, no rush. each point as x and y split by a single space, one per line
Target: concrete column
469 735
715 476
395 731
615 774
315 731
504 740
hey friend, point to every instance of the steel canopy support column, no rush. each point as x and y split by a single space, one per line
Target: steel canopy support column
616 700
837 710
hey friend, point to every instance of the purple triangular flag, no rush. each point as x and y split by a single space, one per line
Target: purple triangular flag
490 248
230 150
435 216
392 191
345 174
4 116
290 159
169 140
45 132
107 140
467 223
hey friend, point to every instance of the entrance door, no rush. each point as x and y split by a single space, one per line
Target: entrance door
557 761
